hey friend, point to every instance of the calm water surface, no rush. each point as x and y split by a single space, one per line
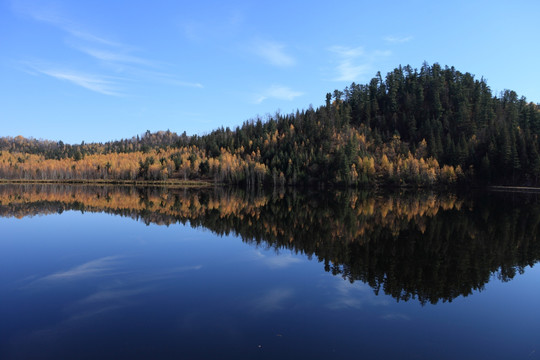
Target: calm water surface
119 272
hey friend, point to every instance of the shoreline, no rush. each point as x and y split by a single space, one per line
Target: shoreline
168 183
209 183
514 188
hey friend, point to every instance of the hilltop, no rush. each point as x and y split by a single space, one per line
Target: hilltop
427 127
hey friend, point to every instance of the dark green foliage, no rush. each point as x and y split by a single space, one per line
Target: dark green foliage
494 139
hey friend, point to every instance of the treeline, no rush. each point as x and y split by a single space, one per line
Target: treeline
415 127
433 126
155 164
58 150
415 245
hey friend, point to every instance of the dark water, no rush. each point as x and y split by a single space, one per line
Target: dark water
149 273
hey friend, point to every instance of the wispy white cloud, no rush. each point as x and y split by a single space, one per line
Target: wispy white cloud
356 296
110 295
47 13
114 57
278 92
87 42
397 39
278 261
273 53
282 261
91 268
119 287
97 83
137 68
354 63
118 294
87 81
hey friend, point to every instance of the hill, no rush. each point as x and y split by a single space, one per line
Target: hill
427 127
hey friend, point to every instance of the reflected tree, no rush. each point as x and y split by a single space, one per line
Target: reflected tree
424 246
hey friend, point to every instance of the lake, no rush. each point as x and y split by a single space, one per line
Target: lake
94 272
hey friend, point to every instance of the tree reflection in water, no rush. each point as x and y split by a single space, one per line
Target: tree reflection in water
420 246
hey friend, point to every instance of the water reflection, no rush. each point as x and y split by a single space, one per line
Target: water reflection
411 246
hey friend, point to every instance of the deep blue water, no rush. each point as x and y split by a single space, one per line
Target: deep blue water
92 285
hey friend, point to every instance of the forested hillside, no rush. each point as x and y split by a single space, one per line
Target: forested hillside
433 126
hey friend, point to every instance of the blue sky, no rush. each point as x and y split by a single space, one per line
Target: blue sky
103 70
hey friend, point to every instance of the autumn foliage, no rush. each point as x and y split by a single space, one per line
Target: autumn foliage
417 128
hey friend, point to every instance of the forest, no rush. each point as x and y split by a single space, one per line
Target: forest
413 128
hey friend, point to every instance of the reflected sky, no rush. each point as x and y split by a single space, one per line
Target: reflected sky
94 285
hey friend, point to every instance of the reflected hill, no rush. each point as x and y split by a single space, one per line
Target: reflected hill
411 246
